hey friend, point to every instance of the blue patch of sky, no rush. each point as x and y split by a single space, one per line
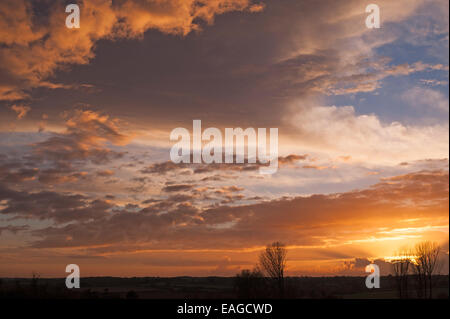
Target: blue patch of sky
387 102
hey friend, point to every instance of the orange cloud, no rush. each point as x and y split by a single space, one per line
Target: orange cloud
21 110
31 52
327 230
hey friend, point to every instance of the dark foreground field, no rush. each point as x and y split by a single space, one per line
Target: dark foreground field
208 288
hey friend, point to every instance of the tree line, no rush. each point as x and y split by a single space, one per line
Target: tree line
413 271
416 265
267 277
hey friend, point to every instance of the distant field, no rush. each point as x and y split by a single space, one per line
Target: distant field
204 287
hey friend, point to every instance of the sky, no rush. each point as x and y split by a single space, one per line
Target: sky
86 115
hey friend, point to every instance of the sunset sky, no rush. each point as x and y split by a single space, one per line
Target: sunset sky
86 114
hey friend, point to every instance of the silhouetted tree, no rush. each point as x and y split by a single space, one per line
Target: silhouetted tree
273 262
401 268
425 265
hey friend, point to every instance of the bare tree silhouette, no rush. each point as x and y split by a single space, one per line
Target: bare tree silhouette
425 265
401 267
273 262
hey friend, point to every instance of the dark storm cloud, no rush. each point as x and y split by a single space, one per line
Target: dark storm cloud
239 70
35 42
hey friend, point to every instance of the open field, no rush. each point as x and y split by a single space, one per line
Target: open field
204 288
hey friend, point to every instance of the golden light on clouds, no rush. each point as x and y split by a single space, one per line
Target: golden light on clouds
86 116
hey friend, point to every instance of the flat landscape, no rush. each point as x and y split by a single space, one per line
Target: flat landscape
206 288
